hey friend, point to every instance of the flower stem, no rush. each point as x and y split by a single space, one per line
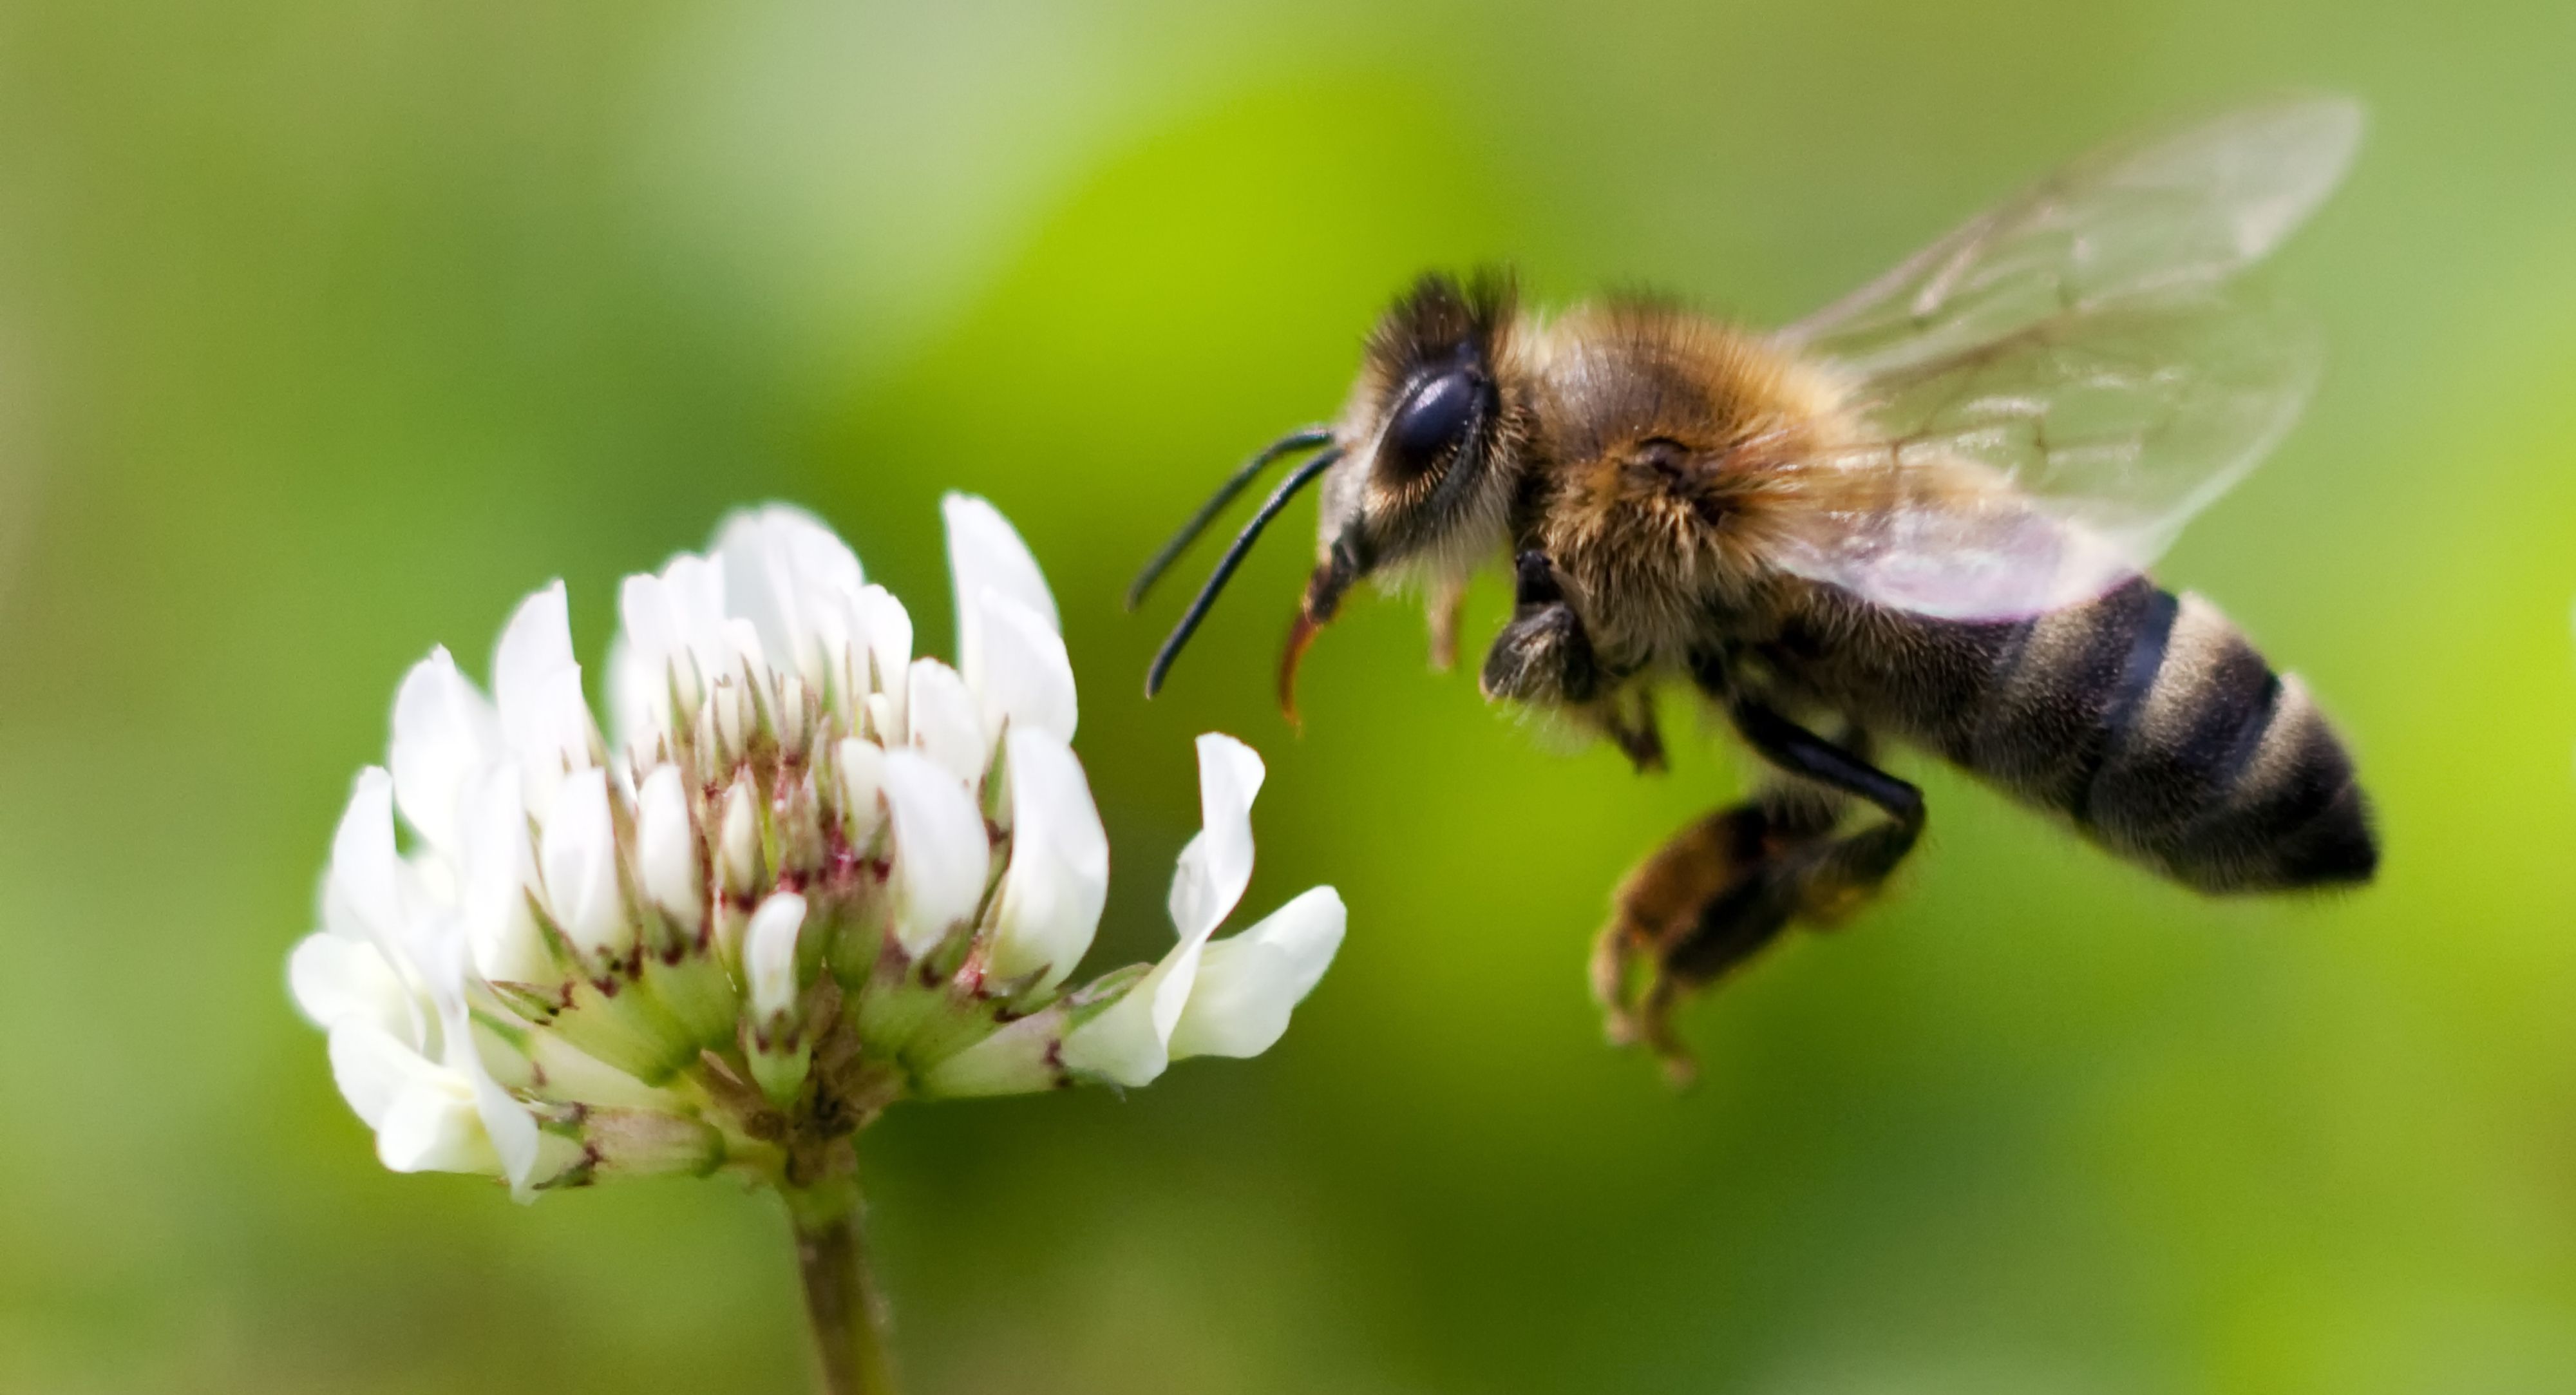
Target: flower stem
841 1297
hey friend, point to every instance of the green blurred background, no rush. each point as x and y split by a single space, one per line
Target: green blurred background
328 328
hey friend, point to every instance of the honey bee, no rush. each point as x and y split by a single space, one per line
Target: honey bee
1920 516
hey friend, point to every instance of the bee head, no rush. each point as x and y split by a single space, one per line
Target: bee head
1417 473
1425 478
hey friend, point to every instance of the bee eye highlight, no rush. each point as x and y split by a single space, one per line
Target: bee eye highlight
1431 423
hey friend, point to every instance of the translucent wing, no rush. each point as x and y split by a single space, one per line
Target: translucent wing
2045 396
2037 472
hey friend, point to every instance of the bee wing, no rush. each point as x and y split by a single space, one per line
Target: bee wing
2050 392
2169 214
2039 472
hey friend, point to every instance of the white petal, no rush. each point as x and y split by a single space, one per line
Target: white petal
535 646
362 855
537 689
854 670
1119 1046
829 578
1247 983
746 648
732 714
941 854
738 838
1170 986
1217 864
888 627
554 735
422 1132
1025 678
428 882
666 849
647 622
862 793
373 1068
676 621
769 953
669 644
581 868
752 593
651 624
434 1126
336 980
340 915
639 699
445 734
1059 874
693 587
1129 1043
509 1131
945 724
785 572
363 892
985 552
500 873
816 554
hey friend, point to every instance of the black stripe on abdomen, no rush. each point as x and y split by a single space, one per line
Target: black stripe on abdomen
2151 721
2044 727
2176 726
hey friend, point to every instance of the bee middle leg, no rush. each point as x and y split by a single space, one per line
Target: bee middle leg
1725 887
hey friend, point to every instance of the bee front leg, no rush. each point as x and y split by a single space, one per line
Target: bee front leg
1448 601
1544 656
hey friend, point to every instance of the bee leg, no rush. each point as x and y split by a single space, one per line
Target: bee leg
1702 905
1627 717
1725 887
1447 602
1837 874
1544 656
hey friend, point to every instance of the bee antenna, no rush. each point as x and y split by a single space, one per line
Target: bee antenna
1305 475
1301 439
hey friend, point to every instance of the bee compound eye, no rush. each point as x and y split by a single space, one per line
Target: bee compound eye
1431 422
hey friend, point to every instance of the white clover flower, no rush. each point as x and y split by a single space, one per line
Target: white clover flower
813 875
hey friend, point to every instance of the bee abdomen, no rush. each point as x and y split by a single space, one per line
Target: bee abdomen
2149 719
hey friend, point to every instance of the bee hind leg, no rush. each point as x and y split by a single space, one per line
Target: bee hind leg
1702 905
1837 873
1727 886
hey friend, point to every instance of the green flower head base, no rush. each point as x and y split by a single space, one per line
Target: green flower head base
814 876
